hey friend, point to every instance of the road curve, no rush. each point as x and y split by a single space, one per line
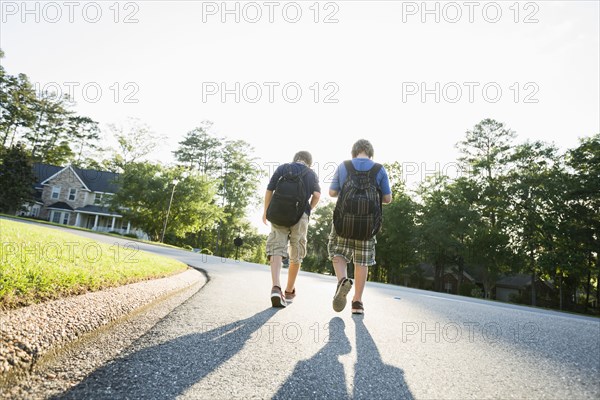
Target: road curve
227 342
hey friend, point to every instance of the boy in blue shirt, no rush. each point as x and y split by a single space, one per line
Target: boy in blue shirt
343 250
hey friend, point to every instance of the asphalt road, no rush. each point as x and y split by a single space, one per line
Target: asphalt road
227 342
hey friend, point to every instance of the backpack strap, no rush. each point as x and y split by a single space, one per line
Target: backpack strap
375 170
305 171
349 167
373 176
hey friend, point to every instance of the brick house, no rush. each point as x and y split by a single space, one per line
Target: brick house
77 197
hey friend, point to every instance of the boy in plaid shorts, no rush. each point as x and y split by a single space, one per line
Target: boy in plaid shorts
362 252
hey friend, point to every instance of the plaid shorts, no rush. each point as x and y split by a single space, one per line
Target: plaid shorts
361 251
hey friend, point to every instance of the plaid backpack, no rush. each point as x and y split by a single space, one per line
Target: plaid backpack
289 199
358 211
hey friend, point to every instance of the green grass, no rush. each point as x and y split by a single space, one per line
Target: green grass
39 264
78 228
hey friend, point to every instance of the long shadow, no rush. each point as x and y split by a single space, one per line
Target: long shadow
321 376
372 378
167 370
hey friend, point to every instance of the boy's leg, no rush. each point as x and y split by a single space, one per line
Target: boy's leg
340 253
293 270
297 251
364 256
360 278
276 262
341 267
276 249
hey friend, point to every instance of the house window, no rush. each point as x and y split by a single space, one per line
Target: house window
72 194
66 218
97 199
56 217
55 192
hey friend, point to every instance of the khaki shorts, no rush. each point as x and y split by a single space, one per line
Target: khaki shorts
277 242
361 251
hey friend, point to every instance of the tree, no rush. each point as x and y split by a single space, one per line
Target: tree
397 241
584 201
447 224
486 151
17 100
532 196
145 193
16 179
85 134
230 164
200 150
135 140
41 121
319 228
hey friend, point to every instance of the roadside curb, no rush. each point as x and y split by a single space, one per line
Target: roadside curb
28 334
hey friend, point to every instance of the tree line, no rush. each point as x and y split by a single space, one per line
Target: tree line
207 191
518 208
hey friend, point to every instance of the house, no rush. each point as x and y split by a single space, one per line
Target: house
422 276
77 197
450 282
517 288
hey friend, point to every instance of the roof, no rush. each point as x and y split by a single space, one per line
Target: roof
96 181
61 205
91 209
99 181
428 269
43 172
518 280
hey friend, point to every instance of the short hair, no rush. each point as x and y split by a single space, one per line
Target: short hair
303 156
362 145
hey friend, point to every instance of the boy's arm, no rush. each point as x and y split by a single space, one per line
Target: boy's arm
385 188
314 200
268 197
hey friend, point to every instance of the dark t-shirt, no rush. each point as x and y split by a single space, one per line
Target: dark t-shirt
311 181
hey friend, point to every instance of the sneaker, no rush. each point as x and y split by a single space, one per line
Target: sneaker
357 307
339 300
289 296
277 298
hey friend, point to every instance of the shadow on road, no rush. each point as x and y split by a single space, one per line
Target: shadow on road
372 378
167 370
322 376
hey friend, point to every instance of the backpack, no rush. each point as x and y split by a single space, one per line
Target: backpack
289 200
358 211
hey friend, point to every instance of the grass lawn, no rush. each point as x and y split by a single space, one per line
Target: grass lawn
39 264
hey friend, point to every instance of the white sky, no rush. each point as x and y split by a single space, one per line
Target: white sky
172 52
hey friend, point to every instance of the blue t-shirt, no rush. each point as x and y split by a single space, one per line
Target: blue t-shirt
361 164
311 181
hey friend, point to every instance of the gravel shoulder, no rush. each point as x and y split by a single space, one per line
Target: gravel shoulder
47 348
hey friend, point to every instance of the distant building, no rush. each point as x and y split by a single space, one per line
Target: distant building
514 287
77 197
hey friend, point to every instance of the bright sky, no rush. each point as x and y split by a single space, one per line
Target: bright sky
411 77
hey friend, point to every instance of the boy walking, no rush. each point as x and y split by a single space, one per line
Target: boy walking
361 187
292 193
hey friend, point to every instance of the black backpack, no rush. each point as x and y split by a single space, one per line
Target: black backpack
358 211
289 200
